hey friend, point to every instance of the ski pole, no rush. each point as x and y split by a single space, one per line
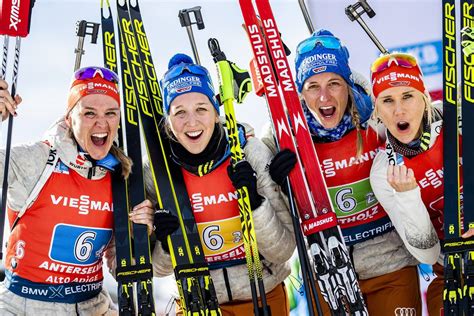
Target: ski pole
14 21
3 71
231 76
185 20
355 12
307 17
82 28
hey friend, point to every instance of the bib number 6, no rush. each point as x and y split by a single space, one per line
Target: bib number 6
211 238
83 247
344 201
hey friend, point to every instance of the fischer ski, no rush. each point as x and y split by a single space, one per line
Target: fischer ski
334 270
127 273
467 103
458 296
195 285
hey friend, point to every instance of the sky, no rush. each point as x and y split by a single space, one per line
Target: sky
47 54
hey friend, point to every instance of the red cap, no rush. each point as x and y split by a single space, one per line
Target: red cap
97 85
397 76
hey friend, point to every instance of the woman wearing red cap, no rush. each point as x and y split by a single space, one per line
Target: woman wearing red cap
200 146
338 109
60 204
407 173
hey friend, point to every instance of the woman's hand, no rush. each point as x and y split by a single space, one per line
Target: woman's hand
469 233
401 178
7 104
143 213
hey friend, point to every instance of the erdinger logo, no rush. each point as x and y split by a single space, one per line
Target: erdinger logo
316 61
405 311
184 84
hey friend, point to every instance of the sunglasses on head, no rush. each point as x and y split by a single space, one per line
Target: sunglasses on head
400 59
91 72
181 68
324 40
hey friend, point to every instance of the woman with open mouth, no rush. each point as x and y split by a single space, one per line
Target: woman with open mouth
59 204
338 106
200 146
407 175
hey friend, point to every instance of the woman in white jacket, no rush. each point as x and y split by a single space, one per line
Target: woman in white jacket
59 204
407 174
200 147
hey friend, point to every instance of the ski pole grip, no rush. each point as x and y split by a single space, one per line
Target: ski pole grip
367 8
353 12
185 17
82 28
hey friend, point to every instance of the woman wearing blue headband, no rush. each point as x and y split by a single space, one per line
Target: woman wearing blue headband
200 146
338 109
59 204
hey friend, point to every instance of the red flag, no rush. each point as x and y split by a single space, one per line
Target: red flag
15 17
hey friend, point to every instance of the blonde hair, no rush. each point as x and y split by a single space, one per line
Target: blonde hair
352 108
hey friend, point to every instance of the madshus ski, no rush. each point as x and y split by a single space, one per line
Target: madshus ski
193 279
335 273
458 295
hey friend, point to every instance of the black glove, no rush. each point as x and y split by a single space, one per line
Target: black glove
243 175
280 167
165 224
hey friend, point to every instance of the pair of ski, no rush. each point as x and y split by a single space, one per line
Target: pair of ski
458 293
333 268
142 116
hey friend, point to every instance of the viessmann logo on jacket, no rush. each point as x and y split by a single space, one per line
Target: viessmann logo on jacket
200 201
331 165
216 211
83 203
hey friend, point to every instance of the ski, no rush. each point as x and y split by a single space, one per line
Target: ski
336 276
141 245
126 272
467 104
191 270
458 295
